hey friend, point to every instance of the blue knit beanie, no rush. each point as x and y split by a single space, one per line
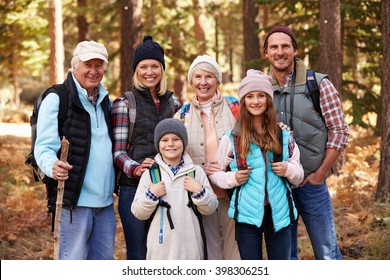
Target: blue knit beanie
170 125
149 49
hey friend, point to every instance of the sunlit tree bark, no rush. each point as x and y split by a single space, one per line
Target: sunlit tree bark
57 55
383 191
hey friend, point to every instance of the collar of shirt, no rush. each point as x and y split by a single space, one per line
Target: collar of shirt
287 80
177 167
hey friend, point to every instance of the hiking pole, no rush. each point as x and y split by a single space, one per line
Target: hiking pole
60 196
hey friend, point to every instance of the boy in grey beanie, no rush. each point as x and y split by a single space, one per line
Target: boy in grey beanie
174 126
177 234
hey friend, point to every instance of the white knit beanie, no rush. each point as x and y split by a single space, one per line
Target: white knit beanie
255 80
206 59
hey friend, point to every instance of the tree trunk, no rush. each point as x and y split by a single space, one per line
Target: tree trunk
264 23
331 51
179 84
82 23
330 41
131 11
57 54
15 74
383 191
199 19
251 29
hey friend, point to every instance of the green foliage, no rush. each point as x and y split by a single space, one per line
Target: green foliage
24 43
20 37
361 41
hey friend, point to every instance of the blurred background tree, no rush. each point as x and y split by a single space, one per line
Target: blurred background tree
187 28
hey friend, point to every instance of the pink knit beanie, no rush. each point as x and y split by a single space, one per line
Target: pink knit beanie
255 80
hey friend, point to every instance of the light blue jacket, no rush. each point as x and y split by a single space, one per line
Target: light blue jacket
98 185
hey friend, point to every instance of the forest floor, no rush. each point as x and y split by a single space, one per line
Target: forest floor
362 226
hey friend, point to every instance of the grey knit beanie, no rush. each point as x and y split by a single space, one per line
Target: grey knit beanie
170 125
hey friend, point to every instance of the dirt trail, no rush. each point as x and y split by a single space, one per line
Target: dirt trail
15 129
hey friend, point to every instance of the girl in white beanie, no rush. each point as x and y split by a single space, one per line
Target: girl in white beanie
262 170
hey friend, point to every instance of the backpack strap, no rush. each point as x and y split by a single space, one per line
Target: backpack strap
312 85
194 208
155 175
279 158
132 112
241 165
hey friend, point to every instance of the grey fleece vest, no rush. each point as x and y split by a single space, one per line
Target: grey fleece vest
310 131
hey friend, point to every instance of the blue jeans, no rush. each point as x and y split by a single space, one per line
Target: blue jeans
314 205
90 235
133 229
250 240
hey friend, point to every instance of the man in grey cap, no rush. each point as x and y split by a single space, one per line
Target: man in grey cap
88 224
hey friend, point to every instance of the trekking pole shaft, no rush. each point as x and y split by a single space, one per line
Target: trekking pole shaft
60 196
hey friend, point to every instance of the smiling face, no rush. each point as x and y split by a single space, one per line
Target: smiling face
205 84
280 52
149 73
256 103
171 148
89 74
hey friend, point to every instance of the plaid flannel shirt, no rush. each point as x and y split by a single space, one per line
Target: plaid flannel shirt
120 124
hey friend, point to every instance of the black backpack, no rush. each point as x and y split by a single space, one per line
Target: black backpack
39 176
314 90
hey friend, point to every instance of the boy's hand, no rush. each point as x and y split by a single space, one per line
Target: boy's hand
158 189
190 184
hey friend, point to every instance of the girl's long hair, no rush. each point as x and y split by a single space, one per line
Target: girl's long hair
269 140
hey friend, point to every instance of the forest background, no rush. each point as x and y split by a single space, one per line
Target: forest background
347 39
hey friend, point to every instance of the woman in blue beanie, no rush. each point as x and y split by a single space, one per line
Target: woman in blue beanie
154 102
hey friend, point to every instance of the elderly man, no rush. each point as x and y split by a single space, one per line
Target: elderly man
88 224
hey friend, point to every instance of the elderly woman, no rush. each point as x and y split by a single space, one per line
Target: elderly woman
207 117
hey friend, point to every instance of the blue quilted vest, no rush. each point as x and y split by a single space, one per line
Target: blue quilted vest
251 195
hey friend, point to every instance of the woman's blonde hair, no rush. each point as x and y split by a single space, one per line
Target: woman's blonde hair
162 86
269 140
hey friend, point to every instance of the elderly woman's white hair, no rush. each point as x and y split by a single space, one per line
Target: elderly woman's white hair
205 63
